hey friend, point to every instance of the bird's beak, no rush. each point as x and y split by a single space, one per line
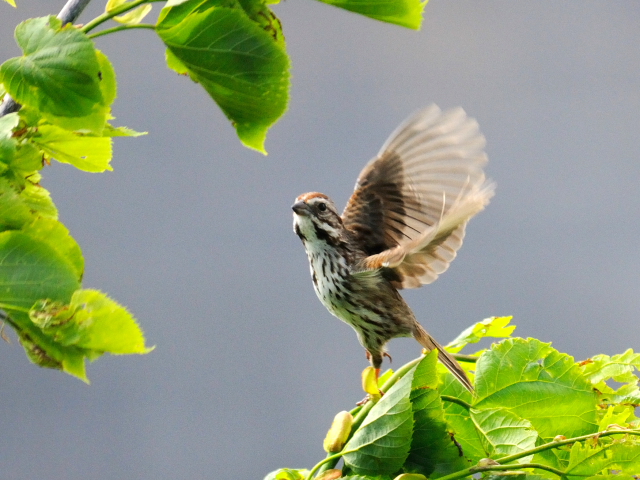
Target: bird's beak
300 208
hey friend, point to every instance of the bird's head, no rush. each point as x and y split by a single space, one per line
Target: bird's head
315 218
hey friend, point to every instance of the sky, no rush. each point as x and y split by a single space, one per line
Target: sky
193 232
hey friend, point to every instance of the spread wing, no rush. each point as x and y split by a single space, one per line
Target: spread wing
412 202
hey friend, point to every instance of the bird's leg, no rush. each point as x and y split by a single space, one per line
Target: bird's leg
384 354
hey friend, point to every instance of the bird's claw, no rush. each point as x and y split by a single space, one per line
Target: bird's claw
370 397
384 354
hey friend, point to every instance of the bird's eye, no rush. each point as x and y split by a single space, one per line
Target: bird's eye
322 206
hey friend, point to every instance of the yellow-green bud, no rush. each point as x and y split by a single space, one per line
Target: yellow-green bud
332 474
338 433
410 476
485 462
370 382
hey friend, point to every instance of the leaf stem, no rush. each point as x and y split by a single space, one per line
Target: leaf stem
121 27
106 16
459 401
461 357
329 459
495 468
568 441
6 306
547 446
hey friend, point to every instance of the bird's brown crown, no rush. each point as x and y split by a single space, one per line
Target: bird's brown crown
305 197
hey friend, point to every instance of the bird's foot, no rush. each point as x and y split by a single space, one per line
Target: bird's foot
370 397
384 354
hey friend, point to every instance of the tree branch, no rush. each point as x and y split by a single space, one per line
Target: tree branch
72 10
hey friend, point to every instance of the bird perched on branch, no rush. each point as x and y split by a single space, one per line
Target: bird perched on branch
400 229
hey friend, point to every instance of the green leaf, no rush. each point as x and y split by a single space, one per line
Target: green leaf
175 64
258 12
44 351
240 63
135 16
91 321
59 71
618 367
504 433
586 460
615 416
27 159
432 448
613 476
15 213
31 270
520 476
96 121
459 420
381 444
38 200
113 4
497 327
538 384
382 379
86 152
628 394
110 131
56 235
406 13
555 458
287 474
8 144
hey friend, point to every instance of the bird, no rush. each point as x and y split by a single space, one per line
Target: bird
400 229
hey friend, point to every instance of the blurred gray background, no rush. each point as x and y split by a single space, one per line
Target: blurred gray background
192 231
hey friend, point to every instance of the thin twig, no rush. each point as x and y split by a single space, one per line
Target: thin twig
120 28
517 466
459 401
461 357
504 463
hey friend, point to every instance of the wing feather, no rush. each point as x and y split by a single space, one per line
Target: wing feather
413 200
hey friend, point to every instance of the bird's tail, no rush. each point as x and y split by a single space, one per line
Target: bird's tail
428 342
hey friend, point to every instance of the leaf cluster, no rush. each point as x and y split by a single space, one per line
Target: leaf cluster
535 414
66 88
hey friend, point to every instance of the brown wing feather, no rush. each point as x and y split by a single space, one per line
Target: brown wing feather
412 202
